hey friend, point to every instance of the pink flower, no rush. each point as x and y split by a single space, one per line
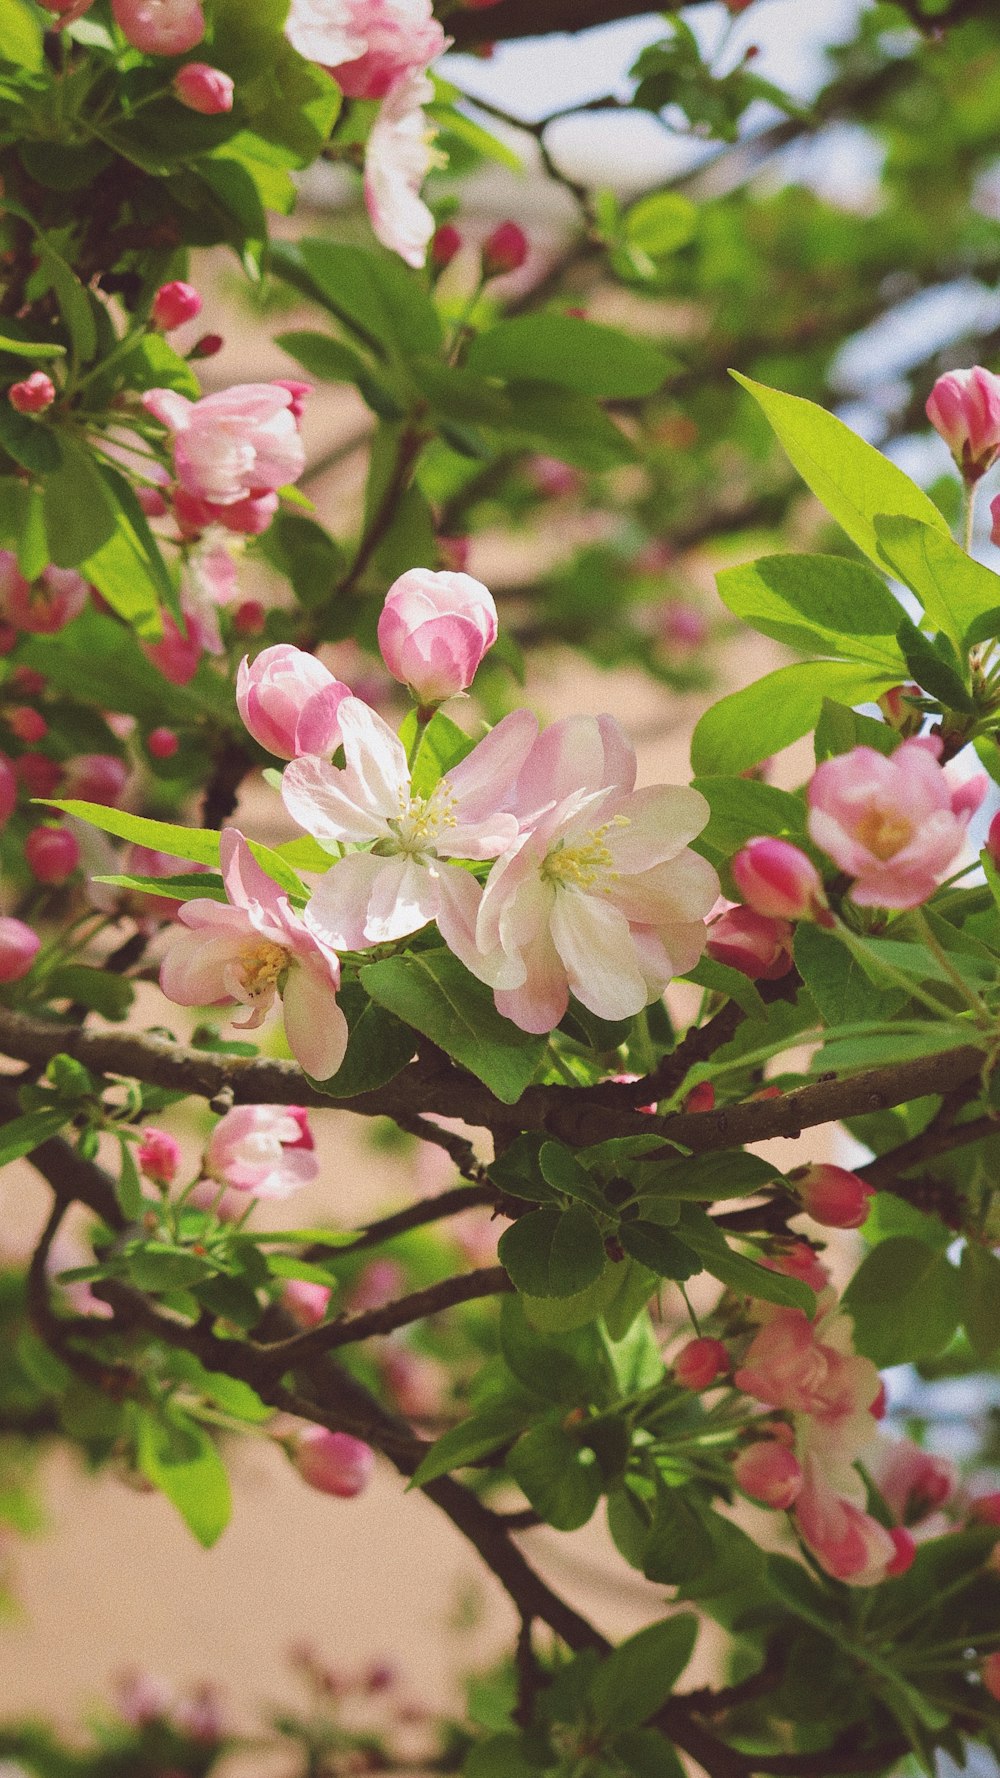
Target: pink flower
51 854
964 406
776 878
414 1382
178 657
993 840
26 724
174 304
160 27
159 1156
810 1368
768 1472
368 45
894 823
259 1149
250 950
912 1482
203 88
800 1261
299 392
599 896
700 1363
19 947
409 879
162 743
832 1195
41 606
305 1302
96 778
235 445
847 1542
757 945
333 1462
398 157
32 395
289 701
446 243
377 1284
505 250
434 630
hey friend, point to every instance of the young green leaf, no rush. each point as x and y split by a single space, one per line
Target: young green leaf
434 992
178 1457
552 1252
639 1675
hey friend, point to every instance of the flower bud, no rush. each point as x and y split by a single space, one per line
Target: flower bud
173 304
700 1362
899 712
993 840
152 502
8 790
160 27
159 1156
985 1510
289 701
203 88
249 618
162 743
207 346
33 395
19 947
333 1462
445 243
800 1261
756 944
552 478
964 407
682 626
434 631
28 681
832 1195
453 554
306 1303
39 774
8 638
879 1406
27 724
700 1098
770 1473
299 392
505 250
96 778
906 1551
51 853
776 878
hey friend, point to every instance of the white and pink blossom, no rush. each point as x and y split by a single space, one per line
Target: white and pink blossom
266 1150
367 45
398 157
964 407
235 445
160 27
434 630
40 606
289 701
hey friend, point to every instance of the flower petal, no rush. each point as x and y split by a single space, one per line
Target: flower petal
314 1023
319 797
595 944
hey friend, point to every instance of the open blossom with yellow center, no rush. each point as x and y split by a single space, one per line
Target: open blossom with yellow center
600 896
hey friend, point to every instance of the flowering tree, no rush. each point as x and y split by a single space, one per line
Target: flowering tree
475 929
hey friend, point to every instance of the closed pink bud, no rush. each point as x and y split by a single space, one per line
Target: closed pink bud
173 304
289 701
445 243
97 778
964 407
205 89
505 250
159 1156
33 395
19 947
880 1405
700 1362
333 1462
51 854
899 710
177 657
299 392
776 878
249 618
906 1551
39 774
28 725
162 743
208 346
376 1285
434 631
40 606
682 626
152 502
305 1302
770 1473
8 790
700 1098
453 553
832 1195
160 27
554 479
756 944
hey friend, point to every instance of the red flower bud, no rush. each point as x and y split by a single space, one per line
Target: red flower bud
203 88
19 947
770 1473
51 853
333 1462
832 1195
756 944
774 877
33 395
700 1362
174 304
700 1098
446 241
162 743
207 346
27 724
906 1550
249 618
505 250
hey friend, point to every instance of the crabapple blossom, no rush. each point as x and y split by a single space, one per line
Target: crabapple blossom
700 1098
847 1542
249 618
39 775
409 878
768 1472
758 945
333 1462
776 878
367 45
912 1482
832 1195
174 304
446 242
44 605
434 630
33 394
261 1149
964 407
252 949
893 823
305 1302
800 1261
700 1363
235 445
599 896
299 392
51 853
289 701
160 27
19 946
159 1156
203 88
399 155
176 655
906 1551
505 249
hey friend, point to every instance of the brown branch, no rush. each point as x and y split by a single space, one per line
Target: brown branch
346 1330
884 1172
459 1148
449 1203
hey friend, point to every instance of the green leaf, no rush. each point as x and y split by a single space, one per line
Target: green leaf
306 554
646 1754
570 1367
818 605
749 725
639 1676
927 666
73 301
200 845
129 1187
730 1173
979 1277
562 1481
178 1457
376 297
442 745
840 728
476 1437
659 1250
841 989
954 589
552 1252
39 350
720 978
128 570
157 1267
679 1548
20 35
561 1169
434 992
578 355
378 1048
109 995
29 441
79 511
742 808
744 1276
324 357
567 425
517 1171
186 887
502 1756
22 1134
855 483
905 1302
660 223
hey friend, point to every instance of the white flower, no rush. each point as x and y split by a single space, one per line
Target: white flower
399 156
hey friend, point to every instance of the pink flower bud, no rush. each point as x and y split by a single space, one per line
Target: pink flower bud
333 1462
162 743
964 407
413 1382
173 304
33 395
205 89
899 711
700 1098
832 1195
305 1302
19 947
445 243
28 682
289 701
776 878
27 724
249 618
453 554
96 778
906 1551
8 790
299 392
142 1698
152 502
159 1156
554 479
160 27
757 945
8 638
505 250
208 346
376 1285
985 1510
434 631
39 774
177 657
683 627
770 1473
700 1362
800 1261
40 606
51 853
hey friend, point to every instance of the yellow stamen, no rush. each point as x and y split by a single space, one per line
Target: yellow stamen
261 965
580 867
884 833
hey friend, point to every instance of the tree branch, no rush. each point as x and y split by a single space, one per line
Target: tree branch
346 1330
